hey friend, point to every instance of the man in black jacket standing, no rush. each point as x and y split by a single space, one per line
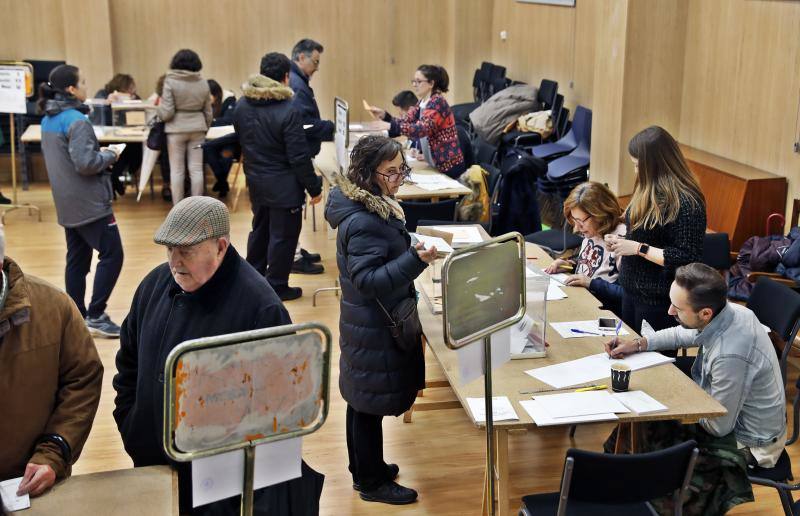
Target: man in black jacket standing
278 168
305 63
205 289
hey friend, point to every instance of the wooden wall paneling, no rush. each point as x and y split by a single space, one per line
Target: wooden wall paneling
742 82
548 42
471 31
87 40
33 29
608 100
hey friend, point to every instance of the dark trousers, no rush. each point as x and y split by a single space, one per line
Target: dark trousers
272 241
633 312
365 449
102 236
220 165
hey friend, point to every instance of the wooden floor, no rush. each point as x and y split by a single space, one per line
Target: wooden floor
440 454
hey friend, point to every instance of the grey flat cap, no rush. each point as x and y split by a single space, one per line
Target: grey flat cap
193 220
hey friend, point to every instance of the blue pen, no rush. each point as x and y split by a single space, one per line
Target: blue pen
616 331
576 330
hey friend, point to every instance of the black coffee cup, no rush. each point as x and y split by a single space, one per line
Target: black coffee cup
620 377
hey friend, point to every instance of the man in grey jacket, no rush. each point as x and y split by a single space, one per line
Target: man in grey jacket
736 363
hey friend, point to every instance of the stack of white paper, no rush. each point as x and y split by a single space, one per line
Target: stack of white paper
542 418
8 495
593 367
584 329
432 182
462 235
502 410
639 402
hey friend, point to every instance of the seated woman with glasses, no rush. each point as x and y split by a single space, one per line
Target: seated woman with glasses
593 211
377 267
431 121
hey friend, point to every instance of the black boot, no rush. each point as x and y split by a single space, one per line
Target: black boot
390 492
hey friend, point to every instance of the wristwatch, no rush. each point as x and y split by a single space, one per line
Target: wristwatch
643 248
638 341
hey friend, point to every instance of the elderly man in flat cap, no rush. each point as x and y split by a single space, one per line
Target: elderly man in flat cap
206 288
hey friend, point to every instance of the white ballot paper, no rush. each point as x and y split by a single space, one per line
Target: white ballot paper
640 402
589 328
221 476
542 418
8 493
593 367
470 357
431 241
572 404
502 410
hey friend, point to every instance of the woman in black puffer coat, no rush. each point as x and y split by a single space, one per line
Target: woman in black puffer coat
376 262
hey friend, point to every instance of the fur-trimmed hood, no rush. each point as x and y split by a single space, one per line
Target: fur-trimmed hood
259 87
347 198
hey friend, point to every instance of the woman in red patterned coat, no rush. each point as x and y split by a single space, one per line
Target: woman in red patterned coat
431 121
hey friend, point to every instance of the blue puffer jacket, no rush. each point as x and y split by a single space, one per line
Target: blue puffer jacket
375 259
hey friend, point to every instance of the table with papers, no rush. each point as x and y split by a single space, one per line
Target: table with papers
432 184
665 384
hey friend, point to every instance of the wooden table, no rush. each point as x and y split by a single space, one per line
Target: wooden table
687 402
327 166
127 492
105 134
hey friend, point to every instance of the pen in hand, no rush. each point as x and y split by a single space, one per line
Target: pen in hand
616 337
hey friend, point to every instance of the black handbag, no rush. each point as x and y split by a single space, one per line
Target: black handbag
156 138
405 327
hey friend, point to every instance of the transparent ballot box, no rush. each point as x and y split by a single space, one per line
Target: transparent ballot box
528 335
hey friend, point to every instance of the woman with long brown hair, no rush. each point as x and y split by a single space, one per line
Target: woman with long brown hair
666 221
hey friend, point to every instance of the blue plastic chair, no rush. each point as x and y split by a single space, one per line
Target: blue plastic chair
570 141
576 161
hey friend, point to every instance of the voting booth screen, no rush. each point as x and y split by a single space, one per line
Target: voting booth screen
484 288
248 391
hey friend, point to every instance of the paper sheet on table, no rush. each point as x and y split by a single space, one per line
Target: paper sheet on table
470 357
592 327
433 182
8 495
462 235
573 404
220 476
593 367
542 418
502 410
432 241
639 402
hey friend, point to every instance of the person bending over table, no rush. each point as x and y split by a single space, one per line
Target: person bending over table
377 268
594 211
666 221
431 121
50 377
737 366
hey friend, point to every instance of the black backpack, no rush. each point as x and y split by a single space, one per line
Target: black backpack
514 205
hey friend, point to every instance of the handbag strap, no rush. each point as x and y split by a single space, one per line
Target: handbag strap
388 315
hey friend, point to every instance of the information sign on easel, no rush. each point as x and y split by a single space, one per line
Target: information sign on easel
16 85
341 138
239 391
483 292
